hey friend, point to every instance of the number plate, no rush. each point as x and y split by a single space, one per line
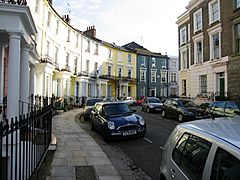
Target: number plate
130 132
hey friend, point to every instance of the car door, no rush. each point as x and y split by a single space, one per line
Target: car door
97 117
174 108
167 107
189 157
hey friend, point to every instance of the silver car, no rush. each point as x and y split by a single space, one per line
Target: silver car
203 150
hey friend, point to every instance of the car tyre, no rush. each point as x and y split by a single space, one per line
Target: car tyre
180 117
164 114
105 136
148 110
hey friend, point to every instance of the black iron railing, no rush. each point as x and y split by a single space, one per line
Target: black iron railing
24 141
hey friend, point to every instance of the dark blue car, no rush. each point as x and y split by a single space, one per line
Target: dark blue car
116 119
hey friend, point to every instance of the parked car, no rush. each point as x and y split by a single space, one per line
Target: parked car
130 101
203 149
116 119
182 110
90 104
140 100
152 104
223 108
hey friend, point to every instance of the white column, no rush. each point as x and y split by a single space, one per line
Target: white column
13 90
32 75
106 89
24 80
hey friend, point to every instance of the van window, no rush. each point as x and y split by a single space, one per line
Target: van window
190 154
225 166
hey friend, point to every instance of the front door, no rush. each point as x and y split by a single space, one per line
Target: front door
152 92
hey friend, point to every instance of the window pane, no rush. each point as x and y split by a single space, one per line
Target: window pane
225 166
203 83
177 152
194 157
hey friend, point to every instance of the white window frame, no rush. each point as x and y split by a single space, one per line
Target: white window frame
198 57
237 37
173 77
120 71
47 48
109 70
198 12
109 54
57 26
237 4
49 19
174 64
202 84
129 72
143 61
37 6
119 57
129 58
164 64
56 54
210 10
153 76
143 74
164 75
211 33
143 91
183 59
153 62
183 35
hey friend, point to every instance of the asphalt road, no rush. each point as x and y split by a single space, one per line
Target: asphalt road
146 152
138 158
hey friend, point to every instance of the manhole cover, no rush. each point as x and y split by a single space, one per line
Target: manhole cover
85 172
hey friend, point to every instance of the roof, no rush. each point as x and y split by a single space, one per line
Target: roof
114 46
141 50
225 128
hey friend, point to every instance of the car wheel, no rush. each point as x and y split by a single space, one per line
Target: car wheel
148 110
180 117
164 114
104 134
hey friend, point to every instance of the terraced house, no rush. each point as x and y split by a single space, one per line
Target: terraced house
152 72
208 49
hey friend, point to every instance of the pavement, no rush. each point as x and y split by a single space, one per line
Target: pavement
77 155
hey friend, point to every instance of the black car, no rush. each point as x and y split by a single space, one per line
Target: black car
116 119
223 108
151 104
182 110
90 104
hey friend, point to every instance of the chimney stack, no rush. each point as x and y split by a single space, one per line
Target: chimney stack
91 31
66 19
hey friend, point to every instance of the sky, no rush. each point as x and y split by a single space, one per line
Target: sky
150 23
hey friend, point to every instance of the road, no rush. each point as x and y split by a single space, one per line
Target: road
138 158
146 152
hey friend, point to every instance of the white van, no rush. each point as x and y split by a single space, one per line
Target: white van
203 150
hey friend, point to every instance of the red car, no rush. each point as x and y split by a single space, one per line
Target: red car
140 100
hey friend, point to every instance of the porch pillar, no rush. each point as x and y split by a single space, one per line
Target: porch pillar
24 80
13 75
32 76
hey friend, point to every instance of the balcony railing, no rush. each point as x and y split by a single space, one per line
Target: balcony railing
83 73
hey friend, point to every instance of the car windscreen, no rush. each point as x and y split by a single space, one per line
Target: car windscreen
189 104
153 100
116 109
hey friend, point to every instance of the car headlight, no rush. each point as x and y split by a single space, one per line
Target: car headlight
111 125
151 106
141 121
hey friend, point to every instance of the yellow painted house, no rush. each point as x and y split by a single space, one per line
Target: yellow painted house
120 70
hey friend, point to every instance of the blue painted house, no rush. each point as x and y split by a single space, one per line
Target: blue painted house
152 72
